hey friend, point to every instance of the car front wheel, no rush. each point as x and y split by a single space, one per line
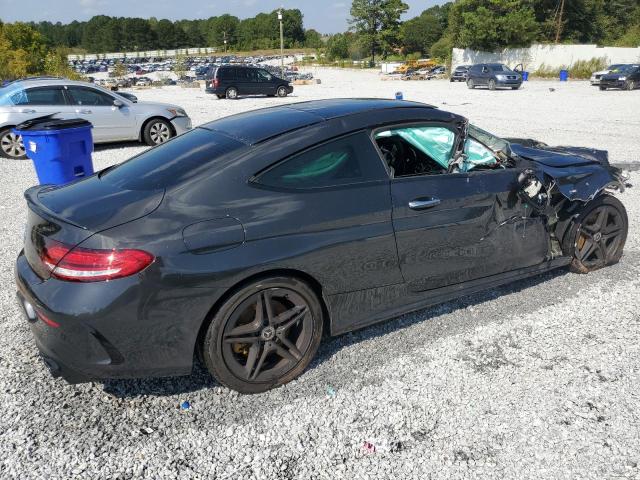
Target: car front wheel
264 335
282 92
470 84
11 145
598 234
157 131
631 85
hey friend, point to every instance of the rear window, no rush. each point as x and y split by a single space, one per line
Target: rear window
226 73
179 159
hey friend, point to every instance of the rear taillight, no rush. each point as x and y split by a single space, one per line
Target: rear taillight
89 265
215 83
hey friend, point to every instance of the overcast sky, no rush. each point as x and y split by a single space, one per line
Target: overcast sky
327 16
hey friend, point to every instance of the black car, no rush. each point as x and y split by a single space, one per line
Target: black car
493 75
626 77
460 73
234 81
247 238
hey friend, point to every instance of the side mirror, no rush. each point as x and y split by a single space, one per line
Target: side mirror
519 68
118 103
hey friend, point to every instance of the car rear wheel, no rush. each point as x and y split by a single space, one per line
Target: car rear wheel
157 131
631 85
597 236
220 96
471 84
492 84
232 93
264 335
11 145
282 91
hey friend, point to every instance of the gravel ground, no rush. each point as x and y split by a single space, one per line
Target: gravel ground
538 379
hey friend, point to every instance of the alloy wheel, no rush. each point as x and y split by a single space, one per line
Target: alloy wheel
492 84
12 145
282 92
159 133
267 335
600 237
232 93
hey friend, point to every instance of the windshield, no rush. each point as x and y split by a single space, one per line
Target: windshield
626 68
615 67
169 164
500 68
496 144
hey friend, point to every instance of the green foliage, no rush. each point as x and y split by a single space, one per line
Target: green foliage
377 23
441 50
338 47
313 39
420 33
582 69
493 24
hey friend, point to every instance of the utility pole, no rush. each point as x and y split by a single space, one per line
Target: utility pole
559 27
281 43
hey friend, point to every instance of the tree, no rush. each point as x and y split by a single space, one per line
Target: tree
420 33
377 23
338 47
313 39
492 25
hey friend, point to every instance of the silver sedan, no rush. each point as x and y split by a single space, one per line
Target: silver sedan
114 118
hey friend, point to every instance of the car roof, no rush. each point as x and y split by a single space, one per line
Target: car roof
44 82
259 125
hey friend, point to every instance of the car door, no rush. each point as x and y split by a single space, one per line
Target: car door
37 102
455 227
265 82
245 81
110 122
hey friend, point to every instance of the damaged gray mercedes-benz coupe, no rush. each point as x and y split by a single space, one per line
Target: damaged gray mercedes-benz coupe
248 238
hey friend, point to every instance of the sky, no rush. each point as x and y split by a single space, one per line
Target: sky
326 16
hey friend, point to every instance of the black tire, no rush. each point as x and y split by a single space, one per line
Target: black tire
630 85
220 96
515 88
280 342
157 131
492 84
597 235
11 145
602 88
232 93
282 91
470 84
451 80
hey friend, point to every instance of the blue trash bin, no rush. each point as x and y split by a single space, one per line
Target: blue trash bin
399 96
60 149
564 75
525 76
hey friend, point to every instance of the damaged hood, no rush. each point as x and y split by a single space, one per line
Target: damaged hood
578 173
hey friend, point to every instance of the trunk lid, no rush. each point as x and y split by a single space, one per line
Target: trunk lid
70 214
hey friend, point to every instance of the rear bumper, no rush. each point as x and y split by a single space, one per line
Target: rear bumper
114 329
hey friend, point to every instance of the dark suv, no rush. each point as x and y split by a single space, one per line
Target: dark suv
233 81
625 76
493 75
460 73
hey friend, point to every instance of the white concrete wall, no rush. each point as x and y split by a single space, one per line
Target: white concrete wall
552 56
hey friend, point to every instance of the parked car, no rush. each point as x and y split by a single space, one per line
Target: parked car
437 72
143 82
113 116
460 73
493 75
595 76
234 81
248 237
626 77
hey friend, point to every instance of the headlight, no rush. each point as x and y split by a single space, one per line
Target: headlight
501 77
622 78
177 112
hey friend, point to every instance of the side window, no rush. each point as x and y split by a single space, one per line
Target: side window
416 150
39 96
264 76
90 97
348 160
477 156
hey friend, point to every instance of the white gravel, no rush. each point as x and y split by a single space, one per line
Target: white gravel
539 379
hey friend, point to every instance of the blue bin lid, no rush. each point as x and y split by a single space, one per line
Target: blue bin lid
47 122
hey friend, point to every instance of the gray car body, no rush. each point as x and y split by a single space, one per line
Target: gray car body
110 123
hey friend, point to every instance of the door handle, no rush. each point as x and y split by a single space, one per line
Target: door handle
78 110
27 110
424 203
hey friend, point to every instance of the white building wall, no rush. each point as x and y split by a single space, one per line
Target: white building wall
553 56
